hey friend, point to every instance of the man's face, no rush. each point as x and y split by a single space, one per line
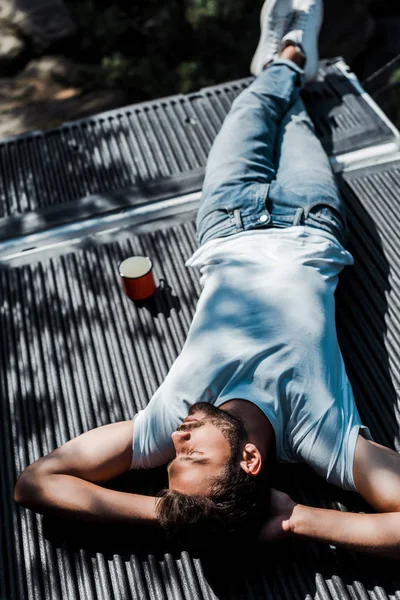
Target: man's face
204 443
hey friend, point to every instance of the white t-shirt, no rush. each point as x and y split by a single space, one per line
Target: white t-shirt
264 331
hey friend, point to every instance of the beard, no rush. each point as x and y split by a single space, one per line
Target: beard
230 426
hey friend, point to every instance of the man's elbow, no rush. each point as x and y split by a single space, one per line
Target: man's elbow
28 487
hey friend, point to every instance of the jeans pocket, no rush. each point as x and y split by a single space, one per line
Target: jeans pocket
218 223
327 212
329 217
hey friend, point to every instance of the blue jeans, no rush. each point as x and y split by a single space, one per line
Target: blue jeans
267 168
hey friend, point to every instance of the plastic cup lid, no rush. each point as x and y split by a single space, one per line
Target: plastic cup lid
135 266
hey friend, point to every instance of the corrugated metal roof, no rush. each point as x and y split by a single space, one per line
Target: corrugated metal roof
75 353
370 292
344 120
143 143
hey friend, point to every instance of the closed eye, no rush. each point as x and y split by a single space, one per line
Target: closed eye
197 461
189 458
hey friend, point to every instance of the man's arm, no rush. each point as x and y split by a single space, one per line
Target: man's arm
377 478
64 482
379 534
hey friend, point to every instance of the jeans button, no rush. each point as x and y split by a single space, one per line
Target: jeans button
263 219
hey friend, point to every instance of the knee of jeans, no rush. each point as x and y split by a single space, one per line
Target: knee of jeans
302 120
305 120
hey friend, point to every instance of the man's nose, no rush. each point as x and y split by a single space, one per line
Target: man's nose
181 436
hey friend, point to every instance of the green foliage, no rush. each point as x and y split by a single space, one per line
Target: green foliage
153 48
200 9
395 78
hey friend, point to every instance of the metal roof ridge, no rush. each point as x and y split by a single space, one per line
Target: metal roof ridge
355 82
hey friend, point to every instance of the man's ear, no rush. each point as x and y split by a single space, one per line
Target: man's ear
251 461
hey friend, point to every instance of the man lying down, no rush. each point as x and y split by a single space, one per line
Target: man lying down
260 378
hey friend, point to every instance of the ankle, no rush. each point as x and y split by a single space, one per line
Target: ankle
294 54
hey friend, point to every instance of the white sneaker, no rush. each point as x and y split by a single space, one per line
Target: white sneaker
274 20
304 31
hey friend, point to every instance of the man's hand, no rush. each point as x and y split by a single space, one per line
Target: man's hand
377 478
278 525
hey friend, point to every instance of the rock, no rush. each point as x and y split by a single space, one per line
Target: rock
52 112
54 68
12 47
43 96
43 22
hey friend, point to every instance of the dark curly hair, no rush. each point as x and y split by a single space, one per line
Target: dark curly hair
237 506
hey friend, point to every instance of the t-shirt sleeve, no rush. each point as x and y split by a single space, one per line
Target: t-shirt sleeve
152 428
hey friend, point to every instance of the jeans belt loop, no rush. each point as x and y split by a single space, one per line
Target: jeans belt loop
238 220
297 216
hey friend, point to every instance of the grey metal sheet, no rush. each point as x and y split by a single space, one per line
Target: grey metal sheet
75 353
344 121
370 294
140 144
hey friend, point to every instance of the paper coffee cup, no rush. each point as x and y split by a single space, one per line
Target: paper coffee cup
137 277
